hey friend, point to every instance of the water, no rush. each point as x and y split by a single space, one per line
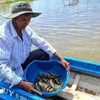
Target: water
71 26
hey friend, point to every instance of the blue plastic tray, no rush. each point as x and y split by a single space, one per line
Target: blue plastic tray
39 67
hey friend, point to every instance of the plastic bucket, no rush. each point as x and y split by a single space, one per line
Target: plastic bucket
39 67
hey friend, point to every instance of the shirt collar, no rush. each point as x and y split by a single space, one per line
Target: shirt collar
13 31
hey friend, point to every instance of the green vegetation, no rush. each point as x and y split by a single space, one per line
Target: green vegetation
6 5
10 1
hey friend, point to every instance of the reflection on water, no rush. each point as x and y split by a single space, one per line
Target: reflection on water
72 29
70 2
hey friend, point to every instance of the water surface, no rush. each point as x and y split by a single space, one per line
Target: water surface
71 26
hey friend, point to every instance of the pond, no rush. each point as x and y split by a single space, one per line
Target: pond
71 26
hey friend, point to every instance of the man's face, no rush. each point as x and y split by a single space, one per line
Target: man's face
23 20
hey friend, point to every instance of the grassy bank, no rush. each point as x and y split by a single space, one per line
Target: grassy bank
5 4
10 1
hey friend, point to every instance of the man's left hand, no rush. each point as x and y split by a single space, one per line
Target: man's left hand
65 64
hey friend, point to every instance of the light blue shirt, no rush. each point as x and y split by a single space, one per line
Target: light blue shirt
14 51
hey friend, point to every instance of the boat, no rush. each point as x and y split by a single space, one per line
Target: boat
82 66
84 79
81 72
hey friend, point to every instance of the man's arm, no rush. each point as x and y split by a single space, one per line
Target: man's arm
63 61
6 71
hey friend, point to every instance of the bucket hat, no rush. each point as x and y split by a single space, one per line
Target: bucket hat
19 8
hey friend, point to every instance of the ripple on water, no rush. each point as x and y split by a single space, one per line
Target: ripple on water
74 30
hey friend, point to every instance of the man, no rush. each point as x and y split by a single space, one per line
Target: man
16 39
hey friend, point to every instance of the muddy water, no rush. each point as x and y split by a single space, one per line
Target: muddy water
71 26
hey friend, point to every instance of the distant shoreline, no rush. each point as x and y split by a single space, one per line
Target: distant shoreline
2 1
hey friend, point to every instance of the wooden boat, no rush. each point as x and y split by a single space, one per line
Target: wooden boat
84 76
79 69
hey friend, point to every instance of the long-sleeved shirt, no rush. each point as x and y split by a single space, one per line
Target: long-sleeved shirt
14 51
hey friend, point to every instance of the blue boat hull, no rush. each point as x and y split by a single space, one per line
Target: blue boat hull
16 93
81 66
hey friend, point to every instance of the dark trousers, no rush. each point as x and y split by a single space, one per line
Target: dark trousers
37 54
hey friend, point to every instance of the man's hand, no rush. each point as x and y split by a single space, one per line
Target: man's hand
28 87
65 64
63 61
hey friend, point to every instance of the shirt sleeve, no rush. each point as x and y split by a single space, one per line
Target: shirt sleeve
5 70
42 43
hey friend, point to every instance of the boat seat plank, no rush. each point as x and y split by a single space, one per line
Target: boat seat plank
76 81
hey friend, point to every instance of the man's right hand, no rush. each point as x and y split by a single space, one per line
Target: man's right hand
28 87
